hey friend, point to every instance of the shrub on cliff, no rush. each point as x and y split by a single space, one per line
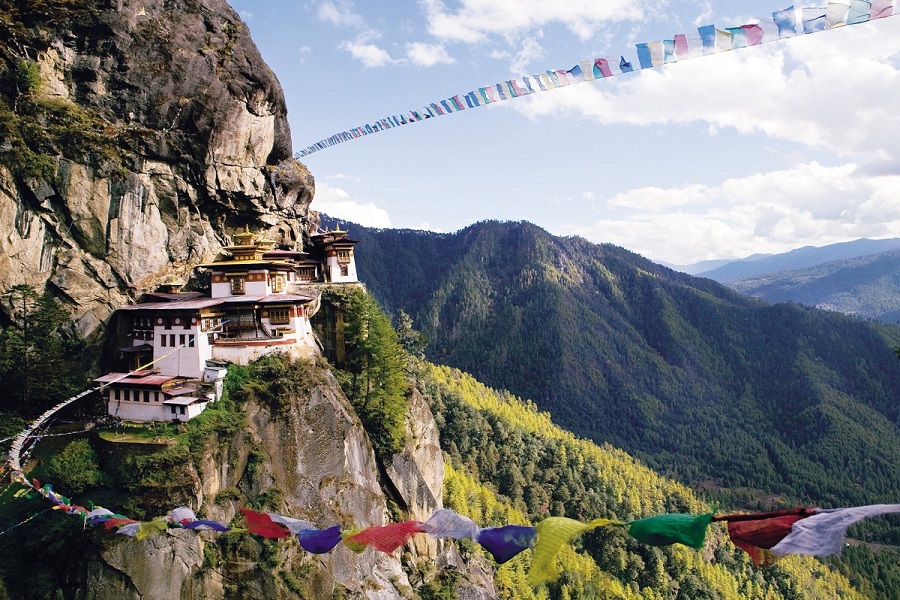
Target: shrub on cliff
75 468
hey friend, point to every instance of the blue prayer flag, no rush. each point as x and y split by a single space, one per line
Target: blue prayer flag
786 19
505 542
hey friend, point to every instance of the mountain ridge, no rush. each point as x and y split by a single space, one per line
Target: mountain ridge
621 350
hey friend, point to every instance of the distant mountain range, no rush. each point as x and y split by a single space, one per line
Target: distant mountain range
867 287
707 385
801 258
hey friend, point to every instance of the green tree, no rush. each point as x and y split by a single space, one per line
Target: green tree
375 383
38 354
414 342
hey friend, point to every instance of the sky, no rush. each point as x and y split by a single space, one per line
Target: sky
759 150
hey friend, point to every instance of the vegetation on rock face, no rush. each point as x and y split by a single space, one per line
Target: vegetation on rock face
75 468
274 380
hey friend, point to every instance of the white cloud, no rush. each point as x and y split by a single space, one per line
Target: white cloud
343 176
530 50
763 212
337 203
427 227
474 20
340 14
428 55
369 54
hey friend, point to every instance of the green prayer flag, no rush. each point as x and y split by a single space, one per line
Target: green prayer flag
663 530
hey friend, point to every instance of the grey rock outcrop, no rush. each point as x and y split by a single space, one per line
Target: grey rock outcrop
196 143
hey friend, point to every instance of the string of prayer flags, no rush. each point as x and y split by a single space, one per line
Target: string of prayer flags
552 534
663 530
823 534
764 536
755 534
708 40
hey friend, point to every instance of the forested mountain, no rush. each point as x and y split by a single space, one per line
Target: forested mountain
509 463
748 400
867 287
801 258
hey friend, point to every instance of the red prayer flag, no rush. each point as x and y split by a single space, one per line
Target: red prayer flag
261 524
755 534
387 538
110 523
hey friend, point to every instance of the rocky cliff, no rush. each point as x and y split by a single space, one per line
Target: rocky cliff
313 461
137 135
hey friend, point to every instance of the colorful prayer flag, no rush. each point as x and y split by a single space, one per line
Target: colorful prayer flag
505 542
387 538
859 11
663 530
823 534
445 523
319 541
753 34
708 38
261 524
836 14
552 534
755 534
881 9
813 19
601 68
786 20
644 56
205 525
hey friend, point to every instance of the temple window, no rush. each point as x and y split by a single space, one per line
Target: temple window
237 285
279 316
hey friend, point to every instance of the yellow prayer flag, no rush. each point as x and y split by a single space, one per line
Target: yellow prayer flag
552 533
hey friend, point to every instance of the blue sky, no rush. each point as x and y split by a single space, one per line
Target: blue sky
762 149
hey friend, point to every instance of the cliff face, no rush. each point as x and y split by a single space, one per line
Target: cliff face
313 461
157 127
